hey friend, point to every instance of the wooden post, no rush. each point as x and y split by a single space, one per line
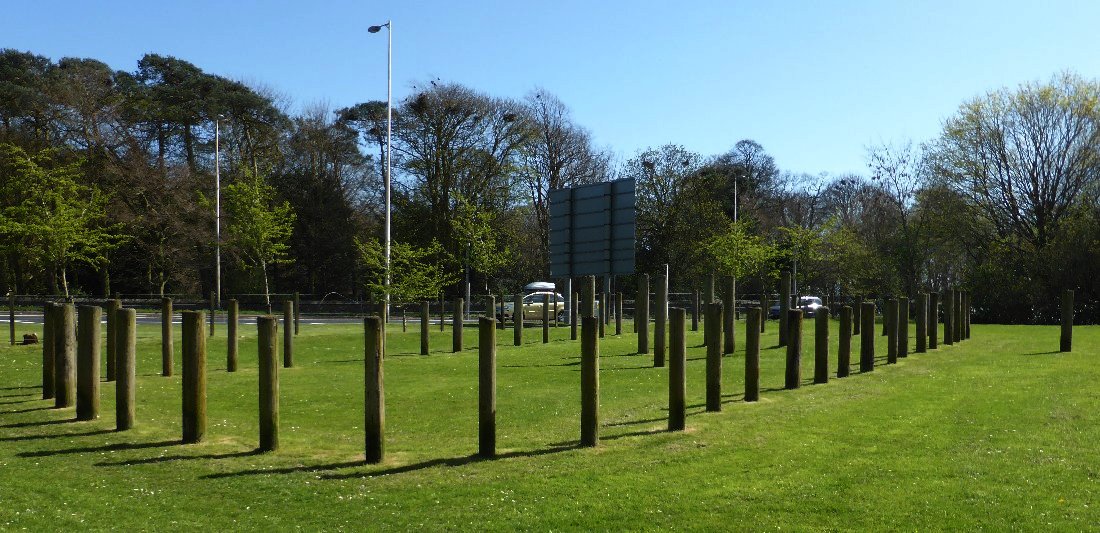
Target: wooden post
933 320
641 313
867 337
545 318
949 317
231 336
856 316
456 326
1065 343
601 312
763 313
268 344
590 381
966 314
374 395
844 350
49 318
492 310
618 314
903 326
959 318
288 333
574 315
922 323
213 312
298 313
87 363
821 345
660 342
729 316
405 323
11 316
714 357
65 357
487 387
517 318
424 327
125 370
588 299
695 310
752 355
112 306
166 346
784 305
794 348
677 371
194 377
891 320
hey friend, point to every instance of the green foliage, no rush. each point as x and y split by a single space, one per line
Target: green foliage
473 232
259 228
416 273
740 254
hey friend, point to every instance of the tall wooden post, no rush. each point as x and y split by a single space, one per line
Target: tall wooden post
87 363
618 314
677 371
764 305
112 306
784 305
949 317
545 318
194 377
588 299
49 318
922 322
590 381
65 357
794 348
867 337
456 326
857 313
213 312
125 371
375 394
231 336
641 313
695 310
752 355
821 345
298 312
1065 343
729 315
574 315
659 339
166 344
268 345
600 312
844 349
288 333
424 327
967 312
11 316
891 320
933 320
959 318
903 326
517 318
714 357
487 387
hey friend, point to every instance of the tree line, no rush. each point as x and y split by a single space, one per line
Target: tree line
107 183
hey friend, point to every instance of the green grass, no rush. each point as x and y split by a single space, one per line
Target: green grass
997 432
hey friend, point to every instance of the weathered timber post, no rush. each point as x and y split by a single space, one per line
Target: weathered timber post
922 323
49 318
574 317
867 337
288 333
677 370
821 345
891 320
65 357
213 312
11 316
112 306
764 312
641 313
268 354
966 314
618 314
714 356
194 377
601 309
231 339
442 311
960 317
487 388
404 321
424 327
844 349
298 311
659 339
784 305
949 317
856 315
794 348
933 320
456 326
588 298
903 326
590 381
694 310
87 363
125 371
546 318
166 344
374 395
1065 343
752 355
729 315
517 318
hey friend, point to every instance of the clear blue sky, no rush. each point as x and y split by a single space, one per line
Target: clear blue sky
814 82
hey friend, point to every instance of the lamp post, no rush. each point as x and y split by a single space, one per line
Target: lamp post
217 212
389 123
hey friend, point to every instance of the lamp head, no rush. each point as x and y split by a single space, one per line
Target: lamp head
376 29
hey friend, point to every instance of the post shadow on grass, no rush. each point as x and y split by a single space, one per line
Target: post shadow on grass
120 446
172 458
37 423
57 435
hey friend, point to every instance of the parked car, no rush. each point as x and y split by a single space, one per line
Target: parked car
808 305
533 304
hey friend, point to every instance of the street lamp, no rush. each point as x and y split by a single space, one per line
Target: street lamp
389 123
217 212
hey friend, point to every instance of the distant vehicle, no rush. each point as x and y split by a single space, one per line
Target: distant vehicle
539 294
808 304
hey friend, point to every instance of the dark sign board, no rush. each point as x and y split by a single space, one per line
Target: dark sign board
592 229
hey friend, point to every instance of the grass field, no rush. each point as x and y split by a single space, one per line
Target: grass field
998 432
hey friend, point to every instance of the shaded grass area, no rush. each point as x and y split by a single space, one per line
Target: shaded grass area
996 432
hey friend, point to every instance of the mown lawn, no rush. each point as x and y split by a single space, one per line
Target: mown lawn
998 432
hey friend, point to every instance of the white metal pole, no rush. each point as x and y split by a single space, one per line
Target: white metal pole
217 213
389 127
